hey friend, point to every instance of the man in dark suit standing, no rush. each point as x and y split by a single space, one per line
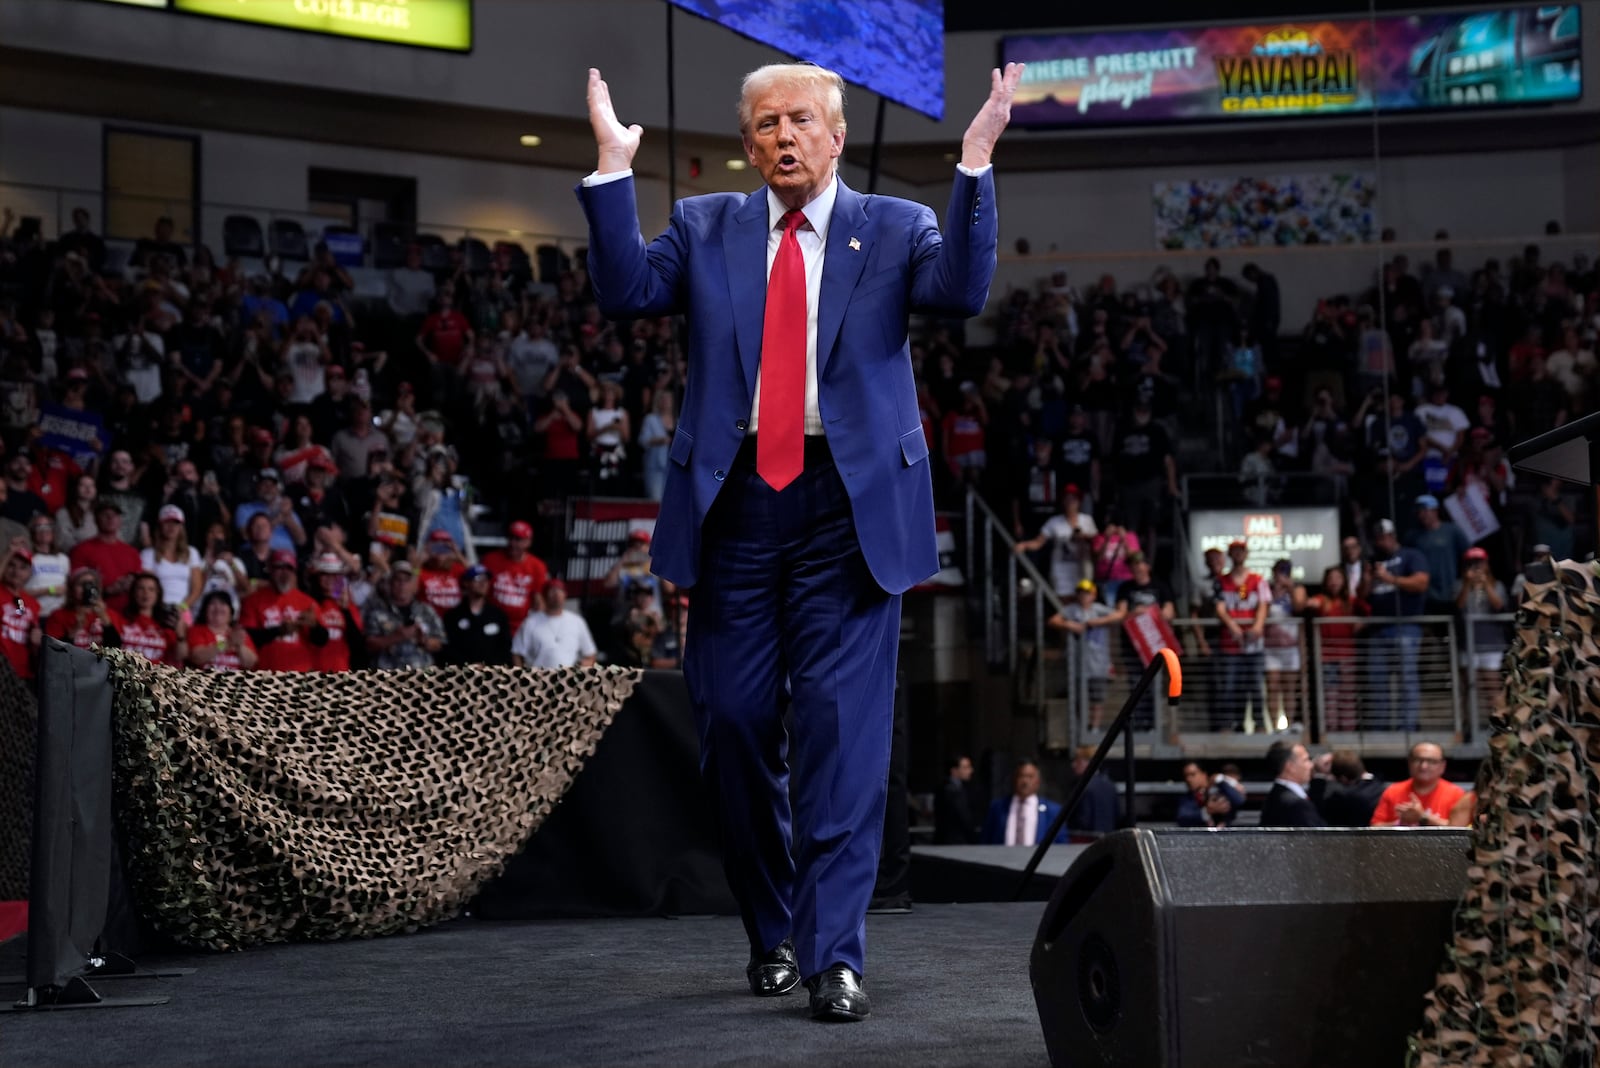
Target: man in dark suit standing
1024 817
953 821
1287 804
1353 795
798 501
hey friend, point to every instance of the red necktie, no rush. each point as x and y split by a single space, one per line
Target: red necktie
780 437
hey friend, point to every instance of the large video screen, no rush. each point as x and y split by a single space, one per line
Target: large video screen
1428 61
445 24
893 47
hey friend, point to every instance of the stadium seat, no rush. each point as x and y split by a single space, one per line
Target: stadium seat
435 253
241 236
287 239
475 254
389 243
552 261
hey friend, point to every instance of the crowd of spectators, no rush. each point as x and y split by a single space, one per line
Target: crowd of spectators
252 464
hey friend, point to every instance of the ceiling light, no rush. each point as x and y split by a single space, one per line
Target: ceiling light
949 157
530 140
736 164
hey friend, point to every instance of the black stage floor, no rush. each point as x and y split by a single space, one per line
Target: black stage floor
949 986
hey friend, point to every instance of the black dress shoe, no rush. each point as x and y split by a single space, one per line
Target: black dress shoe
774 972
836 994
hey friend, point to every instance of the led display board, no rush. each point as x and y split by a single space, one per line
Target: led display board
1427 61
893 47
445 24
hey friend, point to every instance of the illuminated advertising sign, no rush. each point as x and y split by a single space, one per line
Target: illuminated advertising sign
1429 61
137 3
443 24
1307 537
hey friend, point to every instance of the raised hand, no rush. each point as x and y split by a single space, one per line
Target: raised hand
617 143
977 144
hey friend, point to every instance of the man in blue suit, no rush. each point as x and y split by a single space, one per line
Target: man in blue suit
1024 817
798 502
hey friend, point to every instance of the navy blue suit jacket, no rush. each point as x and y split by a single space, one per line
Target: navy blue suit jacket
884 258
994 826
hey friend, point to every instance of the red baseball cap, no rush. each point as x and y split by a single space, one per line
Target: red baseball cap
1071 488
555 584
283 558
1475 553
441 535
519 529
641 536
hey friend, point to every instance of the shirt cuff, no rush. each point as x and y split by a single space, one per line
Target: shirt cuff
596 178
970 172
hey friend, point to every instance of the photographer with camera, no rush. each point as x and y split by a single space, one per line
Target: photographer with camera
1209 802
85 620
154 630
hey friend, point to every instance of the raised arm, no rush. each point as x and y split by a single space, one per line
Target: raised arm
629 278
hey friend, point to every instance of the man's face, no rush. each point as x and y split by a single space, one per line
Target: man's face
554 600
1026 781
18 571
1351 549
283 577
1427 764
1386 544
963 770
121 464
1237 555
267 489
1298 770
1194 778
18 466
107 521
402 588
792 142
1141 572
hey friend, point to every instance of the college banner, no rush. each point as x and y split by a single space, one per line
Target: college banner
1307 537
1150 633
1429 60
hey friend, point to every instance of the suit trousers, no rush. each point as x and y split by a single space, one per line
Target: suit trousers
785 601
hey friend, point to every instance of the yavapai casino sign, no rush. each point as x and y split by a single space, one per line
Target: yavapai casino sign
1208 73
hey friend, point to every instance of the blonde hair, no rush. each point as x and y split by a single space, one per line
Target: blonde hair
803 76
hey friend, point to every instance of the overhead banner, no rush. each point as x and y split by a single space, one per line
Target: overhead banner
1307 537
1426 61
445 24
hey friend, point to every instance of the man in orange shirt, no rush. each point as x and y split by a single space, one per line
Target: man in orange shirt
1425 799
278 616
518 575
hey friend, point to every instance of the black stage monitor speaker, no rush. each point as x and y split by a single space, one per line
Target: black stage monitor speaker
1219 949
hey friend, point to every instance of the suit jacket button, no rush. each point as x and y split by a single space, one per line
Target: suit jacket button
719 474
741 426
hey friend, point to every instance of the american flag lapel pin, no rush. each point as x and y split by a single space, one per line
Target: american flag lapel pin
855 244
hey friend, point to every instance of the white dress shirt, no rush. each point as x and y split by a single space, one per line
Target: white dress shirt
813 239
1022 826
1294 788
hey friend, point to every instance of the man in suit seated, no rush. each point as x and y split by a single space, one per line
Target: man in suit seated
1024 816
1098 811
1287 804
953 821
1353 794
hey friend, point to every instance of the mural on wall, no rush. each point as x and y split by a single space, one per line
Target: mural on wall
1296 209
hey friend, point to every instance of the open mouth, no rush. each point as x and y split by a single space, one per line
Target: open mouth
787 162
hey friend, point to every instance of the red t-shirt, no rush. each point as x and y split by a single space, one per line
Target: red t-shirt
20 616
226 659
269 608
62 625
113 559
446 335
441 587
560 440
150 640
514 582
52 475
1338 640
335 656
1440 801
1242 599
963 434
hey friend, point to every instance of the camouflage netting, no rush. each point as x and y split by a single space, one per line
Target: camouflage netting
1519 985
19 713
264 807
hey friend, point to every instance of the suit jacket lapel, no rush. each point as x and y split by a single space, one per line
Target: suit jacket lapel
744 250
842 265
